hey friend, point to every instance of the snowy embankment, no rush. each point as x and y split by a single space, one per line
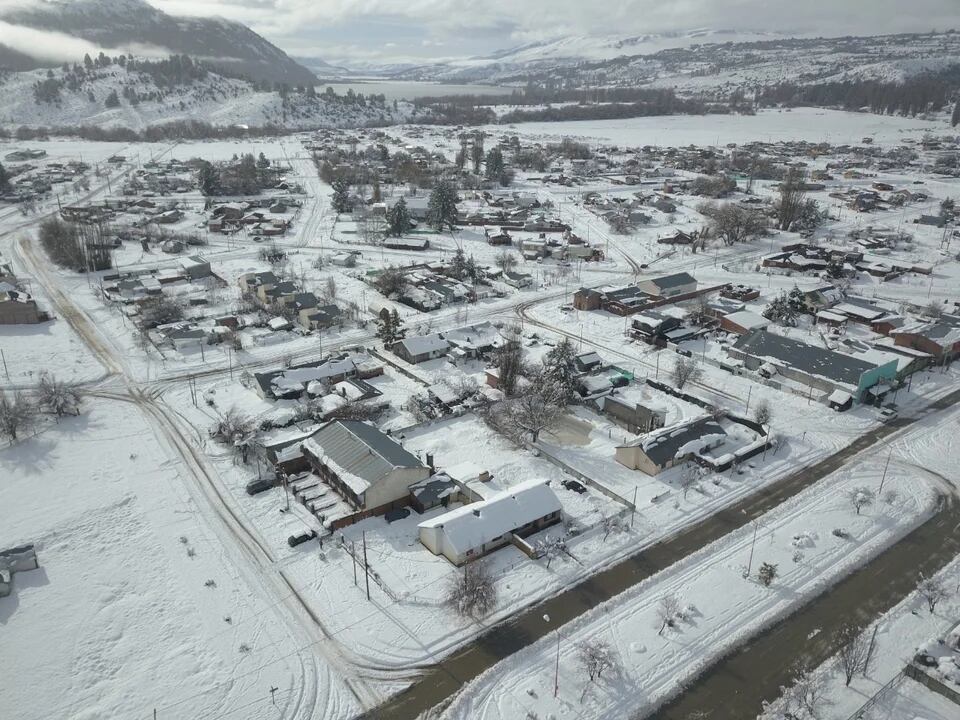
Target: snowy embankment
214 99
797 537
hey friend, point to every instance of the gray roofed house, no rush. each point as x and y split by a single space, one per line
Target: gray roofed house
671 445
810 365
420 348
669 285
369 469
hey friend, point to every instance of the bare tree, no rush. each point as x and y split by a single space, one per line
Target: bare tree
733 223
612 523
667 610
700 313
16 414
330 291
237 430
852 655
685 370
57 397
803 698
861 497
595 656
690 478
792 198
762 412
932 590
550 547
506 260
161 310
538 407
473 592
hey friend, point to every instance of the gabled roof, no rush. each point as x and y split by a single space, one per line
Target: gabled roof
422 344
688 436
668 281
469 527
360 454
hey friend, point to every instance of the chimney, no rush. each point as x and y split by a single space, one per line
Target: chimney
430 462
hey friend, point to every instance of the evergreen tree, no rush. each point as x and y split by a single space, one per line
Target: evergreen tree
458 265
377 195
442 208
494 164
398 219
955 120
390 328
207 179
558 366
341 196
112 100
4 179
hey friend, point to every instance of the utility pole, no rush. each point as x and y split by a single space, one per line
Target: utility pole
4 360
556 672
873 639
366 569
752 545
749 392
883 479
634 512
353 554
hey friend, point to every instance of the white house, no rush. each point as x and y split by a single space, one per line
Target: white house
466 533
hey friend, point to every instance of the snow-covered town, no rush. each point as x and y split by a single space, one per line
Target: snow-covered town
392 411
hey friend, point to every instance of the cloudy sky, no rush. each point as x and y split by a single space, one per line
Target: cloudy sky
423 29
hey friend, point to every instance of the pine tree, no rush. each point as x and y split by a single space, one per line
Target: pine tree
390 328
494 165
377 195
955 120
398 219
458 265
341 196
442 208
207 179
558 366
4 179
112 100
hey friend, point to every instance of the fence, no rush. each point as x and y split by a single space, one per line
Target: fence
586 479
877 696
912 671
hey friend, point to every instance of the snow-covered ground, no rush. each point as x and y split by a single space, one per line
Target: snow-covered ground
139 602
797 536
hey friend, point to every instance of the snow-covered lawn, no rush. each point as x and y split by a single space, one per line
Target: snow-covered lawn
797 536
138 603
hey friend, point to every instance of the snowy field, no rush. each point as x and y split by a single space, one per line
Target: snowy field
810 124
139 602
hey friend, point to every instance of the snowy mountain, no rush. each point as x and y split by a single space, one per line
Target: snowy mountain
701 58
136 25
117 96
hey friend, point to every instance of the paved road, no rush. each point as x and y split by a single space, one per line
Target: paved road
439 682
736 687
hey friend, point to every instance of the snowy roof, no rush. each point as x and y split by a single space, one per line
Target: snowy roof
358 453
422 344
747 320
471 526
668 281
804 357
688 436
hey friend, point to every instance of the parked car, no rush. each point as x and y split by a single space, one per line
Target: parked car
300 539
255 487
888 415
577 487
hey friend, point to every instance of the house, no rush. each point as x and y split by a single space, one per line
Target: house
195 267
743 322
18 308
185 335
669 285
651 324
635 417
367 468
812 366
669 446
291 383
517 280
469 532
939 338
587 362
420 348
